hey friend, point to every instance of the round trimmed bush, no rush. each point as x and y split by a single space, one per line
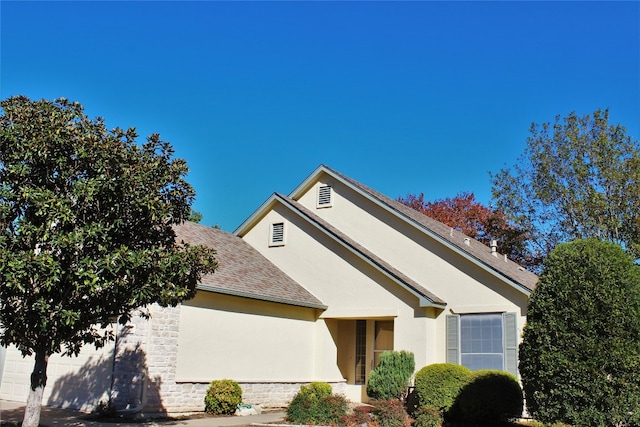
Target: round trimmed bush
223 397
438 385
490 396
315 404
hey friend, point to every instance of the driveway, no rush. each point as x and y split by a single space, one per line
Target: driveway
55 417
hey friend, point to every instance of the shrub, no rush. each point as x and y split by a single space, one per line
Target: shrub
390 379
223 396
427 416
490 396
438 385
580 350
360 415
314 404
391 413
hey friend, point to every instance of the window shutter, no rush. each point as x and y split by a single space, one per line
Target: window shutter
453 339
324 196
509 321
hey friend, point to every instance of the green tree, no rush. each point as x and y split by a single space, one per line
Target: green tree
580 355
86 235
194 216
577 178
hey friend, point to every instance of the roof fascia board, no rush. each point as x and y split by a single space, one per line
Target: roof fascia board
304 185
217 290
412 222
424 301
255 216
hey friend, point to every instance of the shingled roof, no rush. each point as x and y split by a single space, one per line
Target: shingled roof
243 271
464 244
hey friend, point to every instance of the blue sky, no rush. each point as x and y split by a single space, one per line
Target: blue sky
406 97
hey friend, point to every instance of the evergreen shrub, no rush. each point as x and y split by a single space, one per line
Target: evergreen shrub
391 378
359 416
391 413
489 397
580 355
438 385
223 397
427 416
315 404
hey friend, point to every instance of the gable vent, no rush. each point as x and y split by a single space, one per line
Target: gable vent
276 237
324 196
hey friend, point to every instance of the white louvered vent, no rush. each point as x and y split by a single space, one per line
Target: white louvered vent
325 196
276 237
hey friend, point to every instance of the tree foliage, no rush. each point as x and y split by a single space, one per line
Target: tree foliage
578 178
580 355
477 221
86 233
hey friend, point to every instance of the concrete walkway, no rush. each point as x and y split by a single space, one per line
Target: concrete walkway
54 417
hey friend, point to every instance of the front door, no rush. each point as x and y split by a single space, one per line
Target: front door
360 344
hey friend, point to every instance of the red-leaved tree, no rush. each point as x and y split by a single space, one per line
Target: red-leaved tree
480 222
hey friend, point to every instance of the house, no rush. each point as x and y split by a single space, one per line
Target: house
313 286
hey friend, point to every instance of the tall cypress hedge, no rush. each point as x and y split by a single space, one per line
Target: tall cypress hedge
580 355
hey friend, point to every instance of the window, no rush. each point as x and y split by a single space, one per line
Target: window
483 341
276 234
325 199
361 352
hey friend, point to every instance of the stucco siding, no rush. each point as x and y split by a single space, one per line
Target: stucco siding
248 340
349 286
465 286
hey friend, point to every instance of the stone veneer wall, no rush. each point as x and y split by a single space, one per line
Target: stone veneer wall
146 354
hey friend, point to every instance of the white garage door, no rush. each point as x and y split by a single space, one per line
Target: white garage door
72 382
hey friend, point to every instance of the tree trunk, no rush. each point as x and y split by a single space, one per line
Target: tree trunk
34 401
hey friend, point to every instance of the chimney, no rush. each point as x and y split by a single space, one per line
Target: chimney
494 248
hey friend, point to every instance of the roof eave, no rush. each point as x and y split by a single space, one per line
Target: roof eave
214 289
518 286
424 301
255 216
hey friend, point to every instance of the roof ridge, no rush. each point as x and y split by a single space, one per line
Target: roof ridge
474 248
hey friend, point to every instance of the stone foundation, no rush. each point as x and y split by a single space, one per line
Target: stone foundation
145 366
